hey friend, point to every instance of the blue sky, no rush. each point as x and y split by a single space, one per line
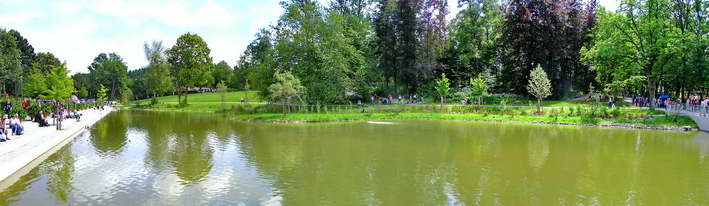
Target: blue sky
78 30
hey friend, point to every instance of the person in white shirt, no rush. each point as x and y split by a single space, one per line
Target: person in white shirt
16 125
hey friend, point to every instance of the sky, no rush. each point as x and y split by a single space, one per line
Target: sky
76 31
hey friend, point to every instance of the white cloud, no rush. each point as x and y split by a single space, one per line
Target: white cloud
16 18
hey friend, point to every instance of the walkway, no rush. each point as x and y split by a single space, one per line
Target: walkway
701 120
38 143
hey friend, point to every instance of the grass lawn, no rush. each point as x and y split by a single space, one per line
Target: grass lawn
314 117
208 98
555 111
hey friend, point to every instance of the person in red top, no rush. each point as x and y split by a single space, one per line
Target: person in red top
25 104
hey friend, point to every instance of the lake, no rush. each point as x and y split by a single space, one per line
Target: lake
164 158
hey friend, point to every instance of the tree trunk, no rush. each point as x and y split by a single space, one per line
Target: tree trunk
652 88
539 105
441 103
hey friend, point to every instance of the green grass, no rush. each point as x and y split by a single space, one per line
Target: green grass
200 102
315 117
207 98
556 111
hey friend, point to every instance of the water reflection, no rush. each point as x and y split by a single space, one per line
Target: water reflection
109 137
141 158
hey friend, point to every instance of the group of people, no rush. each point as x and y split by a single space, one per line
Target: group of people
10 127
412 99
14 127
696 103
639 101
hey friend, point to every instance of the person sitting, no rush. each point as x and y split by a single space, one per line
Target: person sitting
4 122
41 120
16 125
77 116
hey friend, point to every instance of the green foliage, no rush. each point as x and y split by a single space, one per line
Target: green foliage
10 61
473 40
190 59
443 87
83 92
221 72
35 84
539 85
101 93
479 88
60 86
287 87
109 70
655 39
44 62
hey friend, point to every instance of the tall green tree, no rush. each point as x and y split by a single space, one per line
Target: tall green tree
101 94
45 61
473 38
257 64
314 46
10 61
109 70
27 56
550 34
221 72
60 86
638 40
35 84
158 79
190 59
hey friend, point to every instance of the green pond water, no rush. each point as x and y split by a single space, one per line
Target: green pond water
161 158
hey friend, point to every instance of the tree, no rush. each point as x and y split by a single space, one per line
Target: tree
539 86
286 88
645 39
10 61
550 34
101 93
479 88
158 78
189 58
45 61
109 69
59 85
473 41
35 84
316 47
442 88
432 37
222 89
27 56
221 72
83 92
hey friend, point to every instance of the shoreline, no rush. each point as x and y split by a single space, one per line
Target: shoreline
602 125
484 118
23 153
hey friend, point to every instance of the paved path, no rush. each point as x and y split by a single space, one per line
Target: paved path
38 142
701 120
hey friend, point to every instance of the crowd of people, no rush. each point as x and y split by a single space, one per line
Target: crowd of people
695 103
413 99
11 127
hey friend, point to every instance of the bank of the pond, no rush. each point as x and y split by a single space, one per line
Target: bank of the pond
625 117
657 123
37 143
